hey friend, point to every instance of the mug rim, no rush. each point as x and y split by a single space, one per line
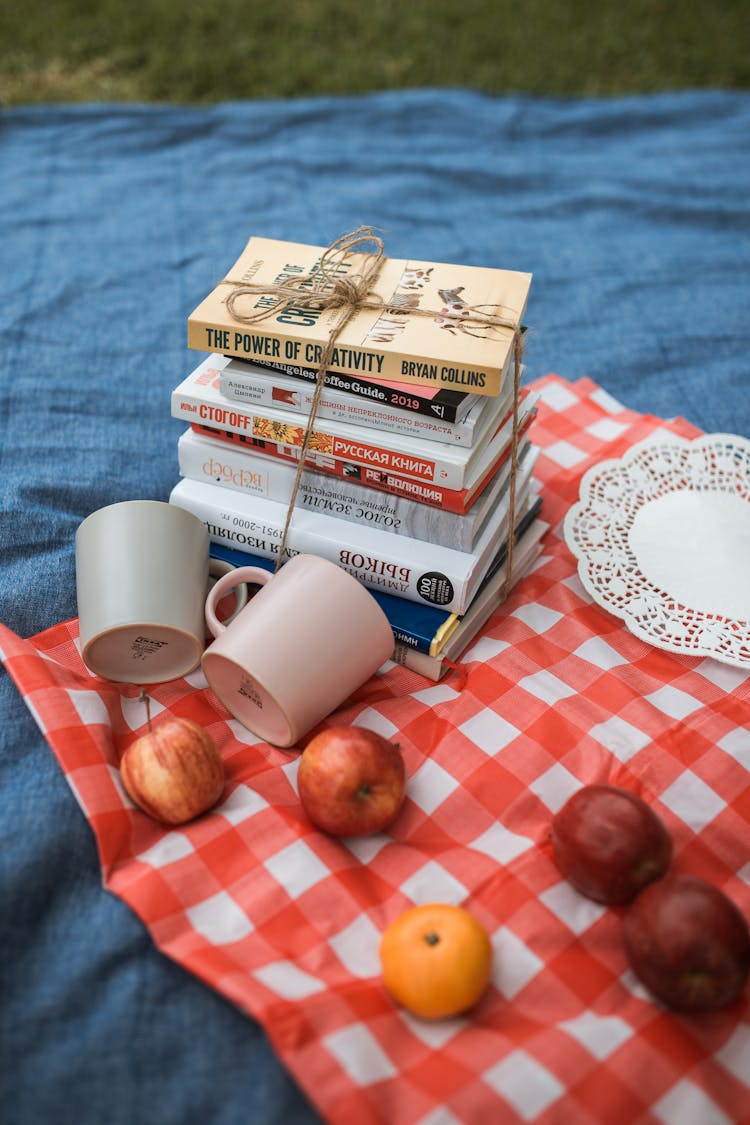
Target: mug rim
107 509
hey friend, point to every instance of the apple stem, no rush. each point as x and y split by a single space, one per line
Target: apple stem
145 699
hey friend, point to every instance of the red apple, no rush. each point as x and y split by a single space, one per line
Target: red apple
351 781
609 843
174 772
688 943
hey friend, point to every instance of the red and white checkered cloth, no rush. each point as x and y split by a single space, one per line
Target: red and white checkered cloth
285 921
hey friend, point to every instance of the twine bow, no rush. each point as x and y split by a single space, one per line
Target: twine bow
325 288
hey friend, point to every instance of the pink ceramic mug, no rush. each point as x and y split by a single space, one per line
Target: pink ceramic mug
304 642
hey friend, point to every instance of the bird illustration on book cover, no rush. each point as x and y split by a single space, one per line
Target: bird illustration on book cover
454 315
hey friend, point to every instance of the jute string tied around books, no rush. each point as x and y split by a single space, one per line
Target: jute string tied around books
324 288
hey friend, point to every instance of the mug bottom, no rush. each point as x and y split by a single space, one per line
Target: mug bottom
247 700
143 653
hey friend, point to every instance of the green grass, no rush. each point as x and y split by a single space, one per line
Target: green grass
199 52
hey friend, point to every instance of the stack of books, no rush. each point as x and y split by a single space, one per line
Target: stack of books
407 470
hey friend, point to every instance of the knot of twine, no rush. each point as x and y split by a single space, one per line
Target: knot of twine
325 288
304 292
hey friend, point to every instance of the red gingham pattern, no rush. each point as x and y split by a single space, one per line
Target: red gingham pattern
285 921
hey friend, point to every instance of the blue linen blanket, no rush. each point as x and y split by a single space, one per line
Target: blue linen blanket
115 220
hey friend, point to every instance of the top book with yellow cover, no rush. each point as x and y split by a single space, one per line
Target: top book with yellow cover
426 324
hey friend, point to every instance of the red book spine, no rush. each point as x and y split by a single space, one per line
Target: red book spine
458 501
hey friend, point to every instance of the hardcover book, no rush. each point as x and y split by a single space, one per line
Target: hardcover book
435 402
432 329
459 501
405 567
415 625
430 462
218 462
259 388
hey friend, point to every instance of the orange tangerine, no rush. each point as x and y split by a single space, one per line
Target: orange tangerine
436 960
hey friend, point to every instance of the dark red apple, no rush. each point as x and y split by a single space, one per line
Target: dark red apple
351 781
174 772
609 843
688 943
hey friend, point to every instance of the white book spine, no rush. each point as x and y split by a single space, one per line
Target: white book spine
218 462
431 667
260 390
405 567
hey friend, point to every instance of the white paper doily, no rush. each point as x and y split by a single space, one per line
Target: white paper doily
662 539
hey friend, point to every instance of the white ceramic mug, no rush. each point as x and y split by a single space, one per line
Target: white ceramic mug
308 638
141 578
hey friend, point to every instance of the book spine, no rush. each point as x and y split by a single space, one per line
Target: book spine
222 463
258 391
449 406
431 667
458 501
354 446
416 640
397 565
258 342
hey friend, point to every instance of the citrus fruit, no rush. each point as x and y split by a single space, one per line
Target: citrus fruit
436 960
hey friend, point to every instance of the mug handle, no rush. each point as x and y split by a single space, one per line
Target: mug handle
255 574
